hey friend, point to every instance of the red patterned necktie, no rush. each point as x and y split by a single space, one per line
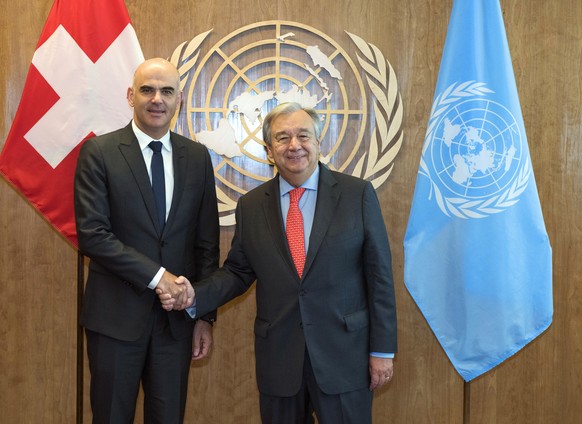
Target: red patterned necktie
295 232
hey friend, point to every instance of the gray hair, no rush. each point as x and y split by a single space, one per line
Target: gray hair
284 109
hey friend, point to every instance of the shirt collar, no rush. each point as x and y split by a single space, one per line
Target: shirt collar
143 139
310 184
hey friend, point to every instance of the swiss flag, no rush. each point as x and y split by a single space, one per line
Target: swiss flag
75 89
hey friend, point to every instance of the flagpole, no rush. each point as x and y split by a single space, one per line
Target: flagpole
80 340
467 402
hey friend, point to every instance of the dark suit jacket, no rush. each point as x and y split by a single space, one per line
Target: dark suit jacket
341 310
117 229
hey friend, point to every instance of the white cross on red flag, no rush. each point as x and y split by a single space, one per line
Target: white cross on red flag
75 89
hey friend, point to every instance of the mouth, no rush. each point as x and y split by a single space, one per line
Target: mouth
156 112
295 157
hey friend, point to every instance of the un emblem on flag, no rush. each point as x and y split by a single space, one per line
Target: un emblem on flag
473 153
231 86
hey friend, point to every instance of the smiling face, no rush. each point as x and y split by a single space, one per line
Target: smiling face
294 147
154 96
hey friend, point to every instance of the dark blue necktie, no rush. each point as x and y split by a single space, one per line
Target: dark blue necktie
158 182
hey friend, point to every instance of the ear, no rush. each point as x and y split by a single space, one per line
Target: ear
129 96
269 154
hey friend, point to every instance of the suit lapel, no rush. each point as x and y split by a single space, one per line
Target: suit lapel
180 165
328 194
273 217
130 150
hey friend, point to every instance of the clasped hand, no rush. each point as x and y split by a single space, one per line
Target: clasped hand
175 292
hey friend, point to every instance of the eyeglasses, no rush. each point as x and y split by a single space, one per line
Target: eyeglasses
302 137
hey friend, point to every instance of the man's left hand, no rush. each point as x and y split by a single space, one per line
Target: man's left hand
202 340
381 370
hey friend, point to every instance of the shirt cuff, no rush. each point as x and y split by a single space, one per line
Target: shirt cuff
156 280
192 310
382 355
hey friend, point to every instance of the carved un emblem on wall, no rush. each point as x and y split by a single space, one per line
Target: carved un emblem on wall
230 86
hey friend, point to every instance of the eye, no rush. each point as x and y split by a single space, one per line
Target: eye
167 92
282 139
304 136
146 90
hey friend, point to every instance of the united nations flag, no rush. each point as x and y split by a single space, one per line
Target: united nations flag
478 261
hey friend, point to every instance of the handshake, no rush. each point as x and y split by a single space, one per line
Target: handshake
175 293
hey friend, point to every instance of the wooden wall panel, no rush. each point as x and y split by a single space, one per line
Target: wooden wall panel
541 384
38 317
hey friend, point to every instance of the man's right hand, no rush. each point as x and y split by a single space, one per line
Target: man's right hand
175 292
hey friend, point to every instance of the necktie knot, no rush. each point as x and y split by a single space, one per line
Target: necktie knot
156 146
295 194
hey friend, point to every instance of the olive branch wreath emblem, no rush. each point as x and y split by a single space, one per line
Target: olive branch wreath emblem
387 136
375 165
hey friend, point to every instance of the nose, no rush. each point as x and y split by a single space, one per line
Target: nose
294 143
157 97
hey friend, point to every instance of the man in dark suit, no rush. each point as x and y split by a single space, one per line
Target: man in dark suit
136 245
325 330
